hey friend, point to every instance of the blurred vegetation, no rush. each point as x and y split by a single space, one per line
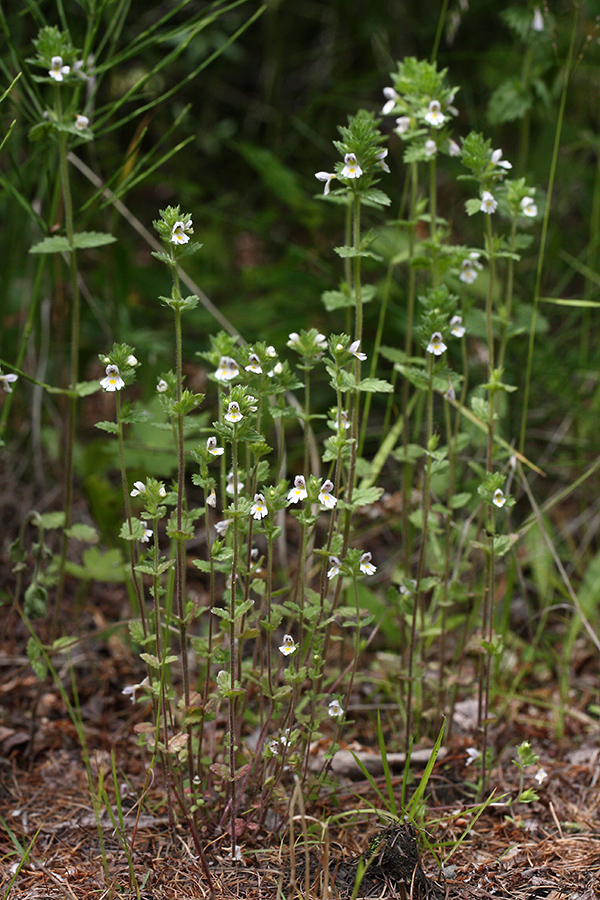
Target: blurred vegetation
259 121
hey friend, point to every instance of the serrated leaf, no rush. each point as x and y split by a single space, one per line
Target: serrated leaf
375 197
52 520
36 658
54 244
82 241
459 500
376 386
82 532
111 427
151 660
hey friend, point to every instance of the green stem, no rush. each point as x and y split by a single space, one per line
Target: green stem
540 262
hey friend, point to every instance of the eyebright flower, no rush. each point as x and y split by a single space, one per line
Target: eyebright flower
334 567
7 380
179 233
499 499
489 204
326 498
148 533
366 566
227 369
229 486
81 122
541 776
298 492
254 364
259 510
222 526
327 177
528 207
453 148
538 20
456 326
233 413
402 124
380 157
58 70
435 115
113 381
355 351
130 689
472 755
335 709
211 500
351 168
436 344
391 99
498 161
211 446
138 488
162 386
288 646
342 419
430 148
131 360
469 268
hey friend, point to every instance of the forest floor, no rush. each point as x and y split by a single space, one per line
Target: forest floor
549 848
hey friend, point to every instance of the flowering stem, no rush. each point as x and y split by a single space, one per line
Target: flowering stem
422 549
232 638
74 368
407 468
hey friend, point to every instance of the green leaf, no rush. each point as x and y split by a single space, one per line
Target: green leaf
376 386
98 565
111 427
85 240
52 520
82 532
36 658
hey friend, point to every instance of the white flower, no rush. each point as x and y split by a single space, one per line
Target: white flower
211 446
131 360
179 233
498 161
402 124
254 364
298 492
81 122
7 380
321 341
113 381
538 20
391 99
430 148
469 268
58 70
436 344
335 709
489 204
453 148
162 386
130 690
222 526
366 566
233 413
271 352
325 495
351 168
380 157
211 500
148 533
541 776
259 510
456 326
435 115
227 369
354 349
293 339
528 207
229 486
138 488
499 499
472 755
288 646
334 567
327 177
